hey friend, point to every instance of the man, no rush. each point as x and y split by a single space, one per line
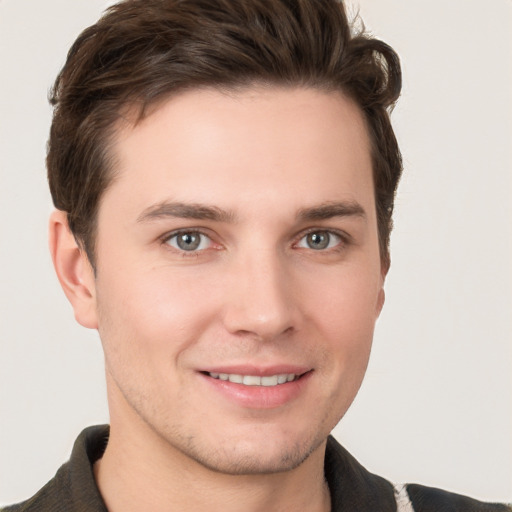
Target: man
224 175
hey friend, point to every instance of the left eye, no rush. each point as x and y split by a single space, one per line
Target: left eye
189 241
319 240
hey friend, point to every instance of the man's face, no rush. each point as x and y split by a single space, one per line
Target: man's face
239 242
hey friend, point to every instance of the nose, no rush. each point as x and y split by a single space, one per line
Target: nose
259 298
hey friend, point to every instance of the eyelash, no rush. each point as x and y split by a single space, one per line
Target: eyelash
345 240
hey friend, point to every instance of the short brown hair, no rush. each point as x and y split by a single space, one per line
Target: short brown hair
142 51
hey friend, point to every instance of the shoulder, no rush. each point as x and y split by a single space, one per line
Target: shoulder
431 499
73 488
354 488
54 496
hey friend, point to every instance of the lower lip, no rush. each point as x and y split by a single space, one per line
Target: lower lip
259 397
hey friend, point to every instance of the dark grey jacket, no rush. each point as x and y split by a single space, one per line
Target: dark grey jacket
352 487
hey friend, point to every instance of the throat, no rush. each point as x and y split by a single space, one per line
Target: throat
131 480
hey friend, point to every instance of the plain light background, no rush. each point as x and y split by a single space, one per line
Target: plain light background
436 406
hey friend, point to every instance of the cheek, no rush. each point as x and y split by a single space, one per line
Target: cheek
344 310
347 301
154 315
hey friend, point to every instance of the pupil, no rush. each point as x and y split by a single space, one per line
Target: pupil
318 240
189 241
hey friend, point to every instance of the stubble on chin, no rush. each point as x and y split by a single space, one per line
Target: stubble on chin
237 460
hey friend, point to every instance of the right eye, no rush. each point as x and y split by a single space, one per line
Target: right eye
189 241
320 240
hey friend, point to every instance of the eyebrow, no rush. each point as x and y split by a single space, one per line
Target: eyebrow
186 211
332 209
198 211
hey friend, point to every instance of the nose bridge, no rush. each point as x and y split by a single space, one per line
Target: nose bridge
259 300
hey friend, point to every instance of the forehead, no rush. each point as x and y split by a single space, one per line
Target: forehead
251 146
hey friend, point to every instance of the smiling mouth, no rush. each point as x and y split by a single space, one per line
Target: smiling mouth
255 380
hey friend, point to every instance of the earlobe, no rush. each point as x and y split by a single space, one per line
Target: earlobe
73 269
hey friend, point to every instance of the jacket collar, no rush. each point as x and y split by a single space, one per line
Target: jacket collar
352 487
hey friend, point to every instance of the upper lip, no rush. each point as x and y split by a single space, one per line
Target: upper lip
260 371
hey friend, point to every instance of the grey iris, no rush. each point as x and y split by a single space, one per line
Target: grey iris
188 241
318 240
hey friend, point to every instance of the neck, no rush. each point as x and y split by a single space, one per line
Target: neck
139 471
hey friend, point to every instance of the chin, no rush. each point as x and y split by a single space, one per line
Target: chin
266 455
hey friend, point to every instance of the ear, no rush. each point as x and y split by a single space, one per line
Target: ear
381 297
74 271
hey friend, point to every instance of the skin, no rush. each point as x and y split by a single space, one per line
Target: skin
255 293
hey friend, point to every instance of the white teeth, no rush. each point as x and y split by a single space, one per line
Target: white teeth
269 381
254 380
281 379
